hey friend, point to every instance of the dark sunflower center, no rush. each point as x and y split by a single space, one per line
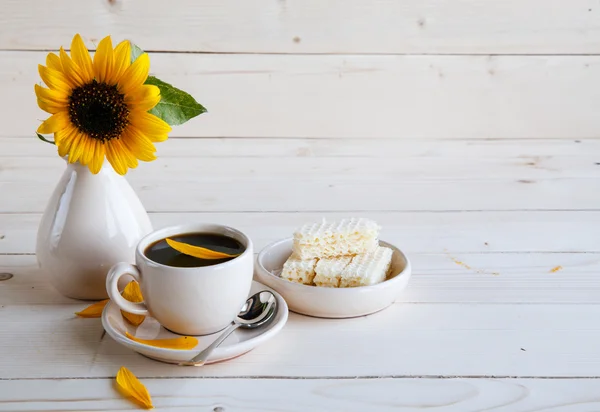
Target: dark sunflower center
98 110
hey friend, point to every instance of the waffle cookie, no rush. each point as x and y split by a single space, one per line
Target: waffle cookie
367 269
343 238
299 271
329 270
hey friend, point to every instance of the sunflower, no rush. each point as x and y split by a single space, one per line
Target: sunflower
100 108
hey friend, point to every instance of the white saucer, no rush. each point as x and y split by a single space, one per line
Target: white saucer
238 343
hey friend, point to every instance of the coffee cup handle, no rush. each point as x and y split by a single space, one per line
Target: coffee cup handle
112 287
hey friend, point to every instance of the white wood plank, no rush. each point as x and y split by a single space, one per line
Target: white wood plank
336 184
357 96
41 341
348 395
310 169
437 278
521 149
414 232
549 194
293 26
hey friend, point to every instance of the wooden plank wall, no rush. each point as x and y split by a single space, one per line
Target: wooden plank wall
468 128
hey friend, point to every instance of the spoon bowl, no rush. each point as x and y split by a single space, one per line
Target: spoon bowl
257 311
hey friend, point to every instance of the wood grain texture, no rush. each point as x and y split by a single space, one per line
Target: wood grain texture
277 196
356 96
473 278
437 179
347 395
468 129
403 340
335 169
526 149
295 26
413 232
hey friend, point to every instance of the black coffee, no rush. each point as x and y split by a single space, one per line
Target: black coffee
161 252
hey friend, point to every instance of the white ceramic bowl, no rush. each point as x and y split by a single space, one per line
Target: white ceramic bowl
331 302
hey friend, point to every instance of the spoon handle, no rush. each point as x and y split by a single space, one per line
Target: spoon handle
201 358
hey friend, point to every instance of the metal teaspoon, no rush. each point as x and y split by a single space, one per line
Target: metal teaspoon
258 310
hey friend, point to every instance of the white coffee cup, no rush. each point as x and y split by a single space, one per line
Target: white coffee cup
187 300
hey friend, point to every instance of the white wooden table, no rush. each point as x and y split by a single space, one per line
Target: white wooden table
469 130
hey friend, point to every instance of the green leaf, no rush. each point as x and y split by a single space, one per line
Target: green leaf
135 52
176 106
43 139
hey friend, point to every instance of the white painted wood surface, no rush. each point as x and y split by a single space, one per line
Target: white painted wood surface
468 129
520 278
357 96
351 395
482 232
440 178
311 26
407 339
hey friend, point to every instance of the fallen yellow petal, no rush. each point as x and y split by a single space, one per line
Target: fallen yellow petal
93 311
131 386
181 343
197 251
133 293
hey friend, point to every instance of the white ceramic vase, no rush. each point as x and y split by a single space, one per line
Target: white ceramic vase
90 223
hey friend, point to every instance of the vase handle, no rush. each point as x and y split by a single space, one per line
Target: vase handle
112 287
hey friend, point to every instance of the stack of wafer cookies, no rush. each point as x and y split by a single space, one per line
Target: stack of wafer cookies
342 254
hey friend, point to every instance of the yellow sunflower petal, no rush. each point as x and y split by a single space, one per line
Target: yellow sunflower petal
89 151
125 154
81 57
103 60
89 145
112 155
97 159
130 386
53 62
142 141
54 79
133 293
50 107
143 98
139 153
55 123
70 69
64 140
54 96
135 75
139 145
77 147
122 61
197 251
151 126
94 310
180 343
